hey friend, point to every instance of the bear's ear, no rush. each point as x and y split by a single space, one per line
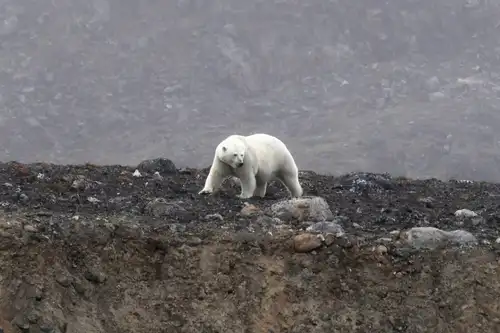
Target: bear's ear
224 149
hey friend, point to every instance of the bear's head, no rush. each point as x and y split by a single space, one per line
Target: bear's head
232 152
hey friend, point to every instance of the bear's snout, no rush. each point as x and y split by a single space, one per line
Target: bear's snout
239 164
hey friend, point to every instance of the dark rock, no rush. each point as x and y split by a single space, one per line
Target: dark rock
47 328
22 323
161 165
33 317
23 198
129 231
346 242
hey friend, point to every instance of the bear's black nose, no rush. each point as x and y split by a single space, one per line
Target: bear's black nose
239 165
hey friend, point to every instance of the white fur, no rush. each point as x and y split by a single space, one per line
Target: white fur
264 158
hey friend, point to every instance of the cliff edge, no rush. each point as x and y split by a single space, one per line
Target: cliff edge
86 248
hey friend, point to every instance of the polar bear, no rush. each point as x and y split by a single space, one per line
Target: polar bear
254 160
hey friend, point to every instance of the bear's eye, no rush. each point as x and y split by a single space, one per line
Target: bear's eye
235 154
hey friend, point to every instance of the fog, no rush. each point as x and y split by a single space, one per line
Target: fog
408 87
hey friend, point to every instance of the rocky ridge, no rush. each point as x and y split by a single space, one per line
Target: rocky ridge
88 248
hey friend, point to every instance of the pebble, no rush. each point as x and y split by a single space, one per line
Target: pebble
465 213
161 207
381 249
95 276
80 287
157 176
249 210
63 280
80 183
23 197
30 228
22 323
426 200
216 216
93 200
384 240
194 241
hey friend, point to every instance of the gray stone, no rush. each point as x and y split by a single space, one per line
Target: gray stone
465 213
326 227
461 237
430 237
314 209
468 217
80 183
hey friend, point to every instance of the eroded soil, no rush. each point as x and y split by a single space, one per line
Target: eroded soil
92 249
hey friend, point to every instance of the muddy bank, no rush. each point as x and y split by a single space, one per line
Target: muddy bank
96 249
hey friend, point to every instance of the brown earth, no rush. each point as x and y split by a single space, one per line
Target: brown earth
89 249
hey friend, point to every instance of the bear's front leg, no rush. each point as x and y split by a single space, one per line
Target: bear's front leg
212 184
217 174
248 186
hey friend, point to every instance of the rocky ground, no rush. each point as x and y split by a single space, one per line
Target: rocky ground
110 249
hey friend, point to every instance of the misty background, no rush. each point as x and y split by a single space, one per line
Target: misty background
409 87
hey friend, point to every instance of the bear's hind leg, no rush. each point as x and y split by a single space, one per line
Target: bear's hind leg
291 181
261 189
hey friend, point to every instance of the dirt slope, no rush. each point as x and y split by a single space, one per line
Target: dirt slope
92 249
